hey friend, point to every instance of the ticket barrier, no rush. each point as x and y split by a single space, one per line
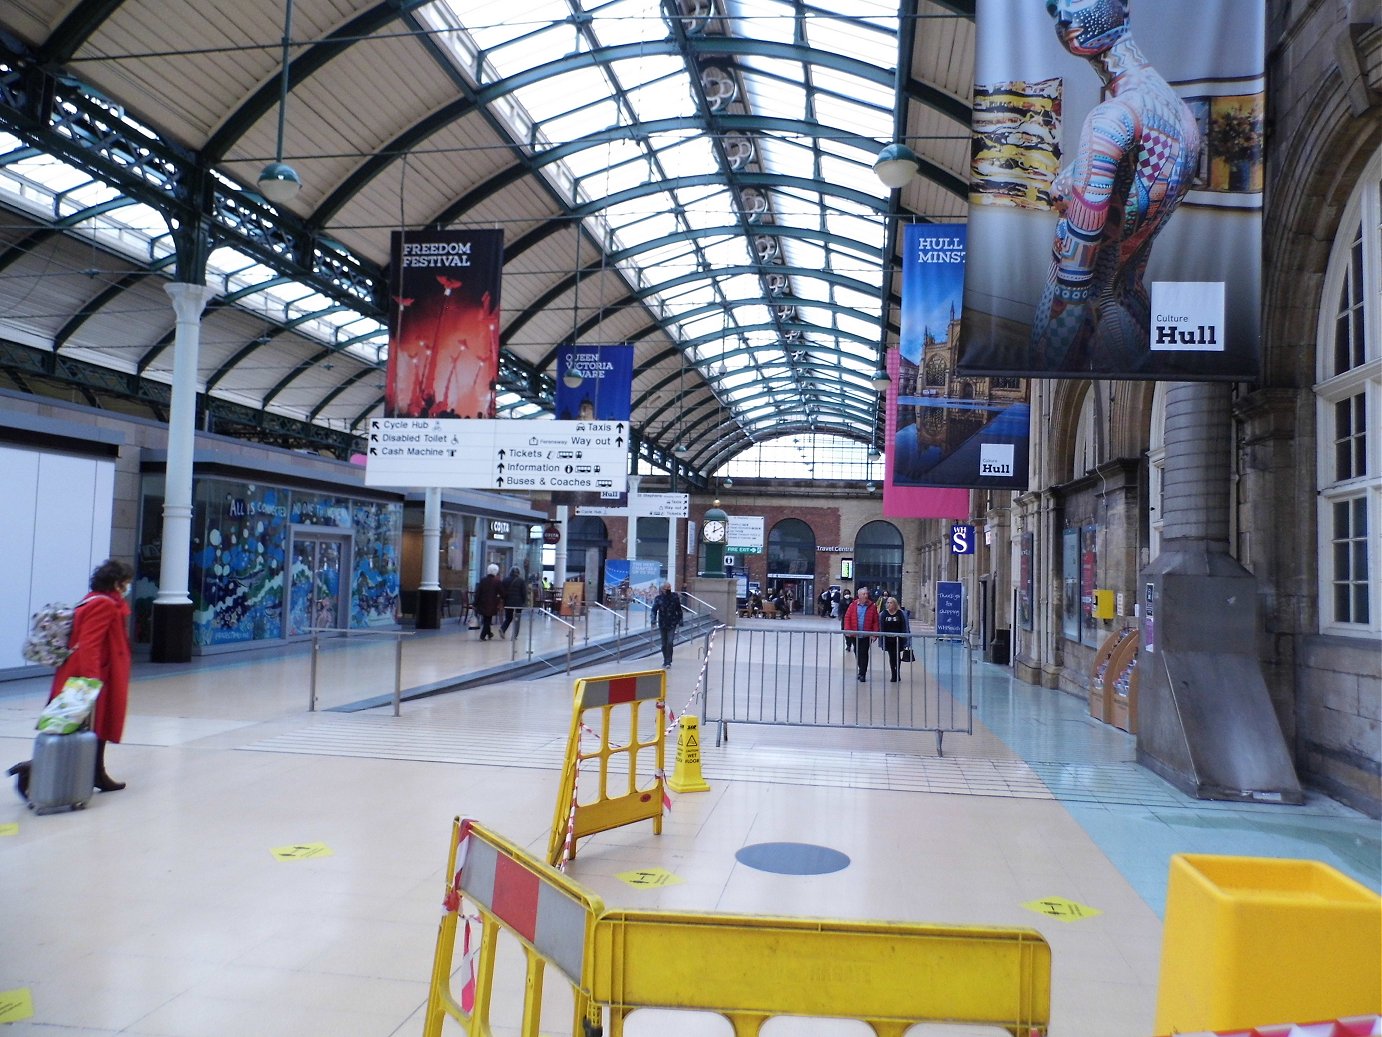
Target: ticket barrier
888 975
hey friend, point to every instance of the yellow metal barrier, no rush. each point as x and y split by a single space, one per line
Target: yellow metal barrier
552 917
889 975
628 695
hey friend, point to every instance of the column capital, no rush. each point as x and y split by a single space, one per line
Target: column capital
188 299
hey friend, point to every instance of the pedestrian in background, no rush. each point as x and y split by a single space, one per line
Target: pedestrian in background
892 622
515 597
489 599
861 617
667 616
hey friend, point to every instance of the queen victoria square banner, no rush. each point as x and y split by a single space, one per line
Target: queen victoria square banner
946 429
1115 219
444 331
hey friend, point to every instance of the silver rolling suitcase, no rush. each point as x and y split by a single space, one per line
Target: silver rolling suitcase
62 775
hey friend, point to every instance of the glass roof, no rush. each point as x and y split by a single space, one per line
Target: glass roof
806 127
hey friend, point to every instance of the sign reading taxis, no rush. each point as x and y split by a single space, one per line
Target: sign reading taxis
502 454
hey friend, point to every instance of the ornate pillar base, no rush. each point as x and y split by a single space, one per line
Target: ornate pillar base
428 610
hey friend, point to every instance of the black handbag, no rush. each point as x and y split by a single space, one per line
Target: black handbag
907 655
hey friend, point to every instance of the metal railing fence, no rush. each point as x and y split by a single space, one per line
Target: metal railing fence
810 678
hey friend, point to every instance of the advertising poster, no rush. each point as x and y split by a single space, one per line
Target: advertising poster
627 580
1116 189
947 429
604 392
444 323
605 386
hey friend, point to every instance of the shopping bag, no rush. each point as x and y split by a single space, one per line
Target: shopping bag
907 655
71 707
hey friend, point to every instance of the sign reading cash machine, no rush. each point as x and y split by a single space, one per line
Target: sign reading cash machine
1116 189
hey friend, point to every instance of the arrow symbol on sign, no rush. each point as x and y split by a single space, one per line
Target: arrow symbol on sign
501 453
372 451
501 467
499 481
619 428
618 440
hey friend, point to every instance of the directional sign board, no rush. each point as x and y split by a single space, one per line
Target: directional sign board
644 505
504 454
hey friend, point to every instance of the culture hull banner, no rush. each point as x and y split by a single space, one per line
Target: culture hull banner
605 389
1115 220
444 326
946 430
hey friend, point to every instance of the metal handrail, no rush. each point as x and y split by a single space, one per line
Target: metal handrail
570 634
707 604
397 635
603 608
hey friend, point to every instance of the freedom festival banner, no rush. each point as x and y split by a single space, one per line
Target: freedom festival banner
1115 221
444 326
946 429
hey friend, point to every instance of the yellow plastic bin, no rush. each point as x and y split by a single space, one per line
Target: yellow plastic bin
1251 941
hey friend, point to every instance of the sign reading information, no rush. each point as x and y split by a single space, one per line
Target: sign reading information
501 454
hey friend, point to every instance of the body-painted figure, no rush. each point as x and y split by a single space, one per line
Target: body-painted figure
1138 152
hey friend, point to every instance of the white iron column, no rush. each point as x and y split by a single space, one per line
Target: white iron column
429 588
172 610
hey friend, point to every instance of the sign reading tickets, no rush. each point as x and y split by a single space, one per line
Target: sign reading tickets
1115 221
443 323
944 429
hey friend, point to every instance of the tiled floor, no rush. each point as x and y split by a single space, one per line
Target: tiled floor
162 910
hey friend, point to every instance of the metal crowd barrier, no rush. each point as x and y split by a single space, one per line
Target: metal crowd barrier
889 976
344 632
809 678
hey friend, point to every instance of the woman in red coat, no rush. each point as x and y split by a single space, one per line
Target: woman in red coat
100 646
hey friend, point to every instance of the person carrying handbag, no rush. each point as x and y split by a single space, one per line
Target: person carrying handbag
100 645
895 628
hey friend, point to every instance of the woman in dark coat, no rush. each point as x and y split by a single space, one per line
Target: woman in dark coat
892 621
100 646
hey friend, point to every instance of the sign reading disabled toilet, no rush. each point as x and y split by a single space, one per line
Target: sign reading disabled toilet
950 608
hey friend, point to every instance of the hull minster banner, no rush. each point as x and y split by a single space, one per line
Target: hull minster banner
1116 189
945 429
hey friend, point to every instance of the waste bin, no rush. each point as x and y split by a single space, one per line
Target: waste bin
1253 941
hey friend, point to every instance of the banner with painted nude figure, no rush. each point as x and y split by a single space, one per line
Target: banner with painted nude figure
444 323
1115 219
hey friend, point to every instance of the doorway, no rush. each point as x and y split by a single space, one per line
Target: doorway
317 597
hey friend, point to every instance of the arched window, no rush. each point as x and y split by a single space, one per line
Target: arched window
791 549
1348 398
1085 454
878 558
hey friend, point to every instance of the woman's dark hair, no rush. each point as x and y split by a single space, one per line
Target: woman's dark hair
110 574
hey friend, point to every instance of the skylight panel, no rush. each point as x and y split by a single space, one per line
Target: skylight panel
762 20
867 120
628 21
520 35
788 159
856 326
557 95
774 97
668 97
844 35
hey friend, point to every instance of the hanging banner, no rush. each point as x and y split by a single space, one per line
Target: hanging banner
1115 221
594 382
602 389
444 323
944 429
